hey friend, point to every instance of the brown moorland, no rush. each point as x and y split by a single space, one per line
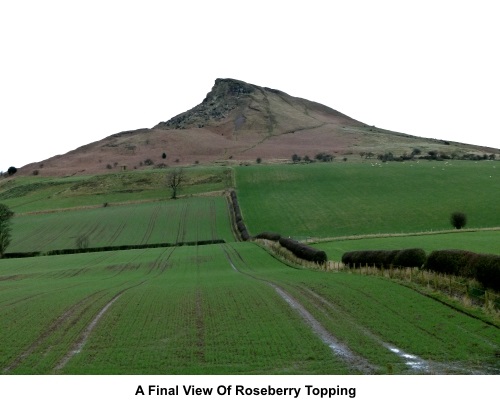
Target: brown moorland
240 122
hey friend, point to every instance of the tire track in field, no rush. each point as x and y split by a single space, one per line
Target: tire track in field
82 339
181 230
338 348
213 220
151 225
414 362
76 309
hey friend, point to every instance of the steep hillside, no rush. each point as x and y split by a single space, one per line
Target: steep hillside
238 122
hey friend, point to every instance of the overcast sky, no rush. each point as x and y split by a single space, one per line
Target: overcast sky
74 72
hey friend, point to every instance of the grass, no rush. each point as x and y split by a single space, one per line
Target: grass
28 194
215 309
326 200
182 311
183 220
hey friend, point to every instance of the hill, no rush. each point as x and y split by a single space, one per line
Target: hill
238 122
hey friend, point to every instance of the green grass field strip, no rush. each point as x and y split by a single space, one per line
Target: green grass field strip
194 314
396 315
328 200
184 220
481 241
198 316
212 319
31 194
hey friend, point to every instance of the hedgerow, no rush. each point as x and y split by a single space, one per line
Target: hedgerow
484 267
303 251
385 258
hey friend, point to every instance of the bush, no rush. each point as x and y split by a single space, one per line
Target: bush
453 262
303 251
269 236
488 271
458 220
385 258
484 267
410 258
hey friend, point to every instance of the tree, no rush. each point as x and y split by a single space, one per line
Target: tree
458 220
11 170
5 216
163 155
174 180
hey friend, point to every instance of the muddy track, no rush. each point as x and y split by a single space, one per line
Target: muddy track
82 339
413 362
338 348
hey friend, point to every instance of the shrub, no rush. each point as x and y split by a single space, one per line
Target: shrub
455 262
458 220
385 258
410 258
303 251
488 270
269 236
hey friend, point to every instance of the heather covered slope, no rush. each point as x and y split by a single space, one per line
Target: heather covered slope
239 122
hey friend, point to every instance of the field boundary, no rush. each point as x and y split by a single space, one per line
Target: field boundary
312 240
111 248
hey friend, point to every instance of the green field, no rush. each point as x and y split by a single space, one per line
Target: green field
216 310
232 308
183 220
337 199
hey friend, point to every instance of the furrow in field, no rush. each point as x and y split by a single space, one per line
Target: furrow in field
338 348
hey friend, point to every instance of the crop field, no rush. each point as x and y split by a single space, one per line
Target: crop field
338 199
179 221
479 242
224 309
234 308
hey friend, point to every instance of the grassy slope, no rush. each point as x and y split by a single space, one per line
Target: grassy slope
28 194
182 310
322 200
183 220
193 313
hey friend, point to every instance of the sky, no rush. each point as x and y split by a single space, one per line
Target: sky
72 73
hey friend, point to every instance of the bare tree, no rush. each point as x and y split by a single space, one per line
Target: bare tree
174 180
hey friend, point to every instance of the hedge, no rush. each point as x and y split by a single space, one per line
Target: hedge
385 258
303 251
484 267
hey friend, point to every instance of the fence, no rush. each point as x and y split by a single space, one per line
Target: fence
468 291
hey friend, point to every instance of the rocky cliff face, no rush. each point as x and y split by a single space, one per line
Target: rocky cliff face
226 96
